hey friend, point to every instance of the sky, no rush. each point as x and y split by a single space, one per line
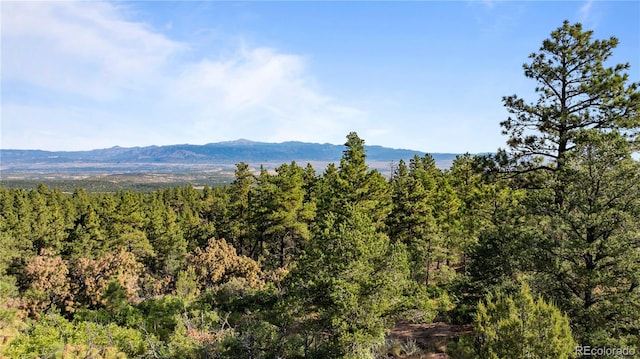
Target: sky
420 75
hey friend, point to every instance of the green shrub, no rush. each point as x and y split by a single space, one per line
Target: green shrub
518 326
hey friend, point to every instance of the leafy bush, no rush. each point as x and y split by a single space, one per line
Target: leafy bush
517 326
54 336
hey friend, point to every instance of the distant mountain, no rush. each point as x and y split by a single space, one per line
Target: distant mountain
223 153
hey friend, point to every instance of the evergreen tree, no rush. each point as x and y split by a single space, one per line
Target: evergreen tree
87 237
589 249
9 245
573 153
310 183
576 92
127 227
165 235
290 215
346 284
19 217
238 229
262 196
520 326
214 211
476 194
412 220
446 209
48 222
353 183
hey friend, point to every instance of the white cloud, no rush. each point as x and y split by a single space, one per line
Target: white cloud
267 95
107 80
81 48
488 3
589 14
585 11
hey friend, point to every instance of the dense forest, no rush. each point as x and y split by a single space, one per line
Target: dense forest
537 246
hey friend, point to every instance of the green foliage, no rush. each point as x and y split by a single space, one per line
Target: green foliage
87 236
161 315
238 228
589 255
254 339
320 266
519 326
187 286
572 152
52 335
412 220
576 92
166 237
126 227
353 184
287 216
348 283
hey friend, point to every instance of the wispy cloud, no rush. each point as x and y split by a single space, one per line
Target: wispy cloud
82 48
106 79
585 11
590 14
496 17
488 3
260 88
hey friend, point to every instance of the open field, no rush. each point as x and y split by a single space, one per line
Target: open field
112 179
144 177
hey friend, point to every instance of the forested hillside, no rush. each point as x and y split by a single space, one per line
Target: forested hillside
538 246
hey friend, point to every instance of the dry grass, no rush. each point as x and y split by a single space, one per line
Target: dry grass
429 341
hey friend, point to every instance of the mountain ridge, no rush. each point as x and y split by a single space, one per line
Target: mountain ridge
227 152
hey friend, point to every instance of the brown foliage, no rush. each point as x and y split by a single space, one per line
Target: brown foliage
48 284
92 276
219 263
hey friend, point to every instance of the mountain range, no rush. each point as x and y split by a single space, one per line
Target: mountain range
220 153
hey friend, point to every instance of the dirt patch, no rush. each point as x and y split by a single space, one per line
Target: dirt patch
433 338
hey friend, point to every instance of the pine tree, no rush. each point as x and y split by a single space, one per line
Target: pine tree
126 229
165 235
48 227
238 228
290 215
353 183
310 183
520 326
344 286
9 245
261 198
87 238
447 218
576 92
412 220
589 251
572 149
476 194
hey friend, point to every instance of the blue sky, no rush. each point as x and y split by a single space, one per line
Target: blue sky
421 75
